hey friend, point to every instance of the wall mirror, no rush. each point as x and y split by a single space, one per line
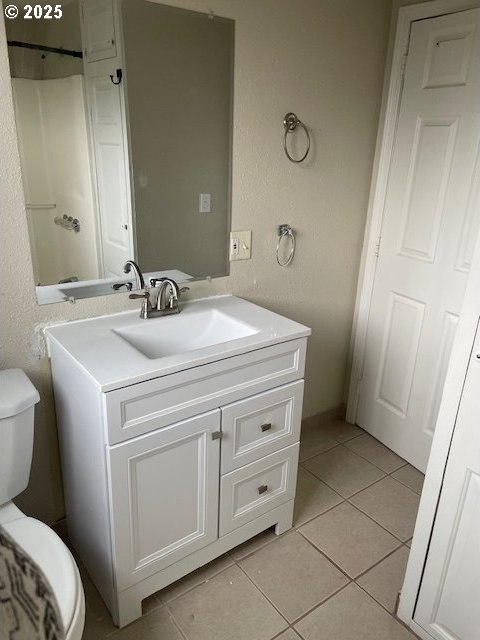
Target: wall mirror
124 120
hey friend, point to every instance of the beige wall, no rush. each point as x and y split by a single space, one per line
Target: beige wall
323 59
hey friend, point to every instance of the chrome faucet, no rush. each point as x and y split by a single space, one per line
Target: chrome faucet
167 305
130 265
164 284
164 306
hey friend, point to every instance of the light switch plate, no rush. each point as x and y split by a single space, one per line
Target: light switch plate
240 245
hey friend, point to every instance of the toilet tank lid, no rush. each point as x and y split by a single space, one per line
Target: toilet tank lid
17 393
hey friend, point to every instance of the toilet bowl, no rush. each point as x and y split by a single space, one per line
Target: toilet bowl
37 541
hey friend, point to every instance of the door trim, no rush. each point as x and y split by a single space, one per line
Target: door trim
392 92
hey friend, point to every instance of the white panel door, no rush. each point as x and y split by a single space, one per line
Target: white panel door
448 603
430 223
113 179
164 496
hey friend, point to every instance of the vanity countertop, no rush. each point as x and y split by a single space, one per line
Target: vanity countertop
100 347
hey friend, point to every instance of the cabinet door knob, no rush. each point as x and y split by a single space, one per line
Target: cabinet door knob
262 489
266 427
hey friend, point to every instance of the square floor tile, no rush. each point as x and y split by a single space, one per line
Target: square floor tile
410 477
226 607
293 575
194 578
158 625
376 453
385 580
392 505
313 439
349 538
343 470
340 430
252 545
313 497
351 615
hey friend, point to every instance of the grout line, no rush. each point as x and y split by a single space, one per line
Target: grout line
356 492
417 493
264 594
318 604
319 453
322 513
388 473
390 553
198 584
378 523
350 579
392 615
249 553
176 624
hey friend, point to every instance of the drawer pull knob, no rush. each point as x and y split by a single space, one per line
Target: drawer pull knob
262 489
216 435
266 427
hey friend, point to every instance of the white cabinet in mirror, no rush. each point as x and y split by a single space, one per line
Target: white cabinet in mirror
115 104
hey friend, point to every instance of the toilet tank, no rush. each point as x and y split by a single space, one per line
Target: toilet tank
18 397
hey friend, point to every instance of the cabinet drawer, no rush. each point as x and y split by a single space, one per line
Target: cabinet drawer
261 425
140 408
249 492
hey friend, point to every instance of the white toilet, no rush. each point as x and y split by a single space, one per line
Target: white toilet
17 401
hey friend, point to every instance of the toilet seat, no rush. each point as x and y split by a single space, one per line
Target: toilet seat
57 564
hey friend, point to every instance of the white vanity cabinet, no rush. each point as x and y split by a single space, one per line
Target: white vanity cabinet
162 475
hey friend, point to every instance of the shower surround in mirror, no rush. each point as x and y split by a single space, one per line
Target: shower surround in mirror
144 165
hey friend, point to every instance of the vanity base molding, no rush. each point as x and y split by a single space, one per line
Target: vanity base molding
129 602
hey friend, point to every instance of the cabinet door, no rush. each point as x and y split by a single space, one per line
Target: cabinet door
164 496
98 30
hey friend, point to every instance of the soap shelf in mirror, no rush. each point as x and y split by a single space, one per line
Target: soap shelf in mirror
68 222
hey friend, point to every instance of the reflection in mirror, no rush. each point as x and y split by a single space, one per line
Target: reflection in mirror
124 121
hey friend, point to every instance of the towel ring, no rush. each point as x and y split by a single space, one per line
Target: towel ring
285 231
290 123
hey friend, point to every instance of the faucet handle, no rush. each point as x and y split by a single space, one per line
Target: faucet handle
135 296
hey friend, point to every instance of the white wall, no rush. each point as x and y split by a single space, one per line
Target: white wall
323 59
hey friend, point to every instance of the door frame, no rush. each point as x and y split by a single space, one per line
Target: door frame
392 93
469 315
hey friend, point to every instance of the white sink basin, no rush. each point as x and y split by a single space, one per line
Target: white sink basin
177 334
122 349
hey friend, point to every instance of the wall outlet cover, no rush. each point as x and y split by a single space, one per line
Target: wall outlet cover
240 245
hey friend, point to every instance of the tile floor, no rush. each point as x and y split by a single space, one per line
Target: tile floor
334 576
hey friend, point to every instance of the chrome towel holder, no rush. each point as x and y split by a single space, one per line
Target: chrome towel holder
290 123
285 231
